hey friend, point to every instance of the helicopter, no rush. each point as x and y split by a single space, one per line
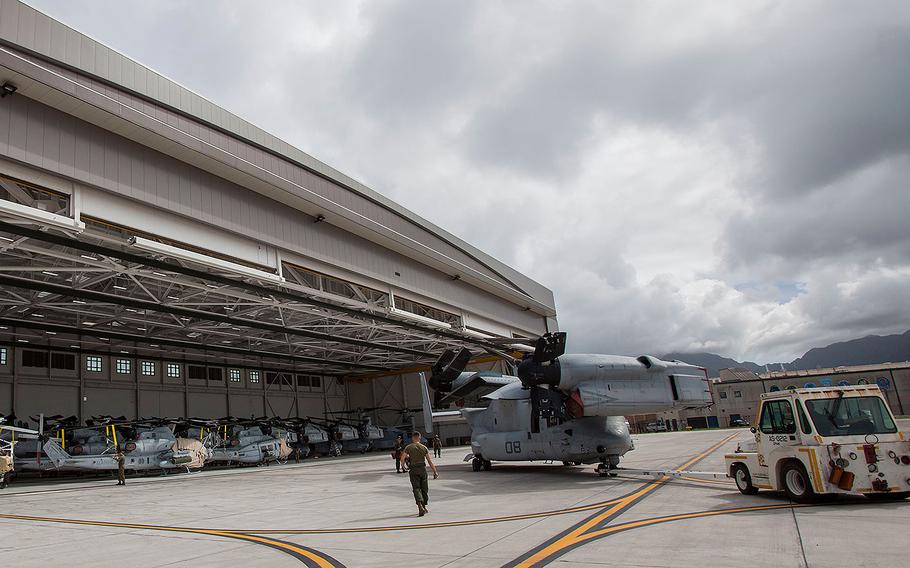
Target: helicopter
306 434
252 442
368 432
147 444
567 408
403 429
8 434
343 436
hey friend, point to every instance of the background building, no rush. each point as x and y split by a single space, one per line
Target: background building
736 392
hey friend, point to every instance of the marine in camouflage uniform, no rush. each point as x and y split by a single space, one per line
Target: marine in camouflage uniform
419 456
121 467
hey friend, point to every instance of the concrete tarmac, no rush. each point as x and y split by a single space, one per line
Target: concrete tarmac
356 511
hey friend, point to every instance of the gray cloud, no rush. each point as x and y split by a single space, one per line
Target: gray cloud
722 177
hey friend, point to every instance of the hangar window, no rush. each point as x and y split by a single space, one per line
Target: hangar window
303 381
216 374
93 364
64 361
34 358
737 394
147 368
316 383
427 311
173 370
254 376
123 366
234 375
723 394
195 372
3 356
334 286
33 196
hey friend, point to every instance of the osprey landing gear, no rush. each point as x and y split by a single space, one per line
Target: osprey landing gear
608 467
479 463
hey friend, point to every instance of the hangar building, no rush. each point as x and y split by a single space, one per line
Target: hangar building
160 256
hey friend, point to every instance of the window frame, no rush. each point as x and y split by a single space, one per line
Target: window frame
234 376
773 428
35 357
90 361
147 368
173 371
123 366
57 358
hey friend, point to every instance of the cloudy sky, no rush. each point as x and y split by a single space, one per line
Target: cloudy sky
726 176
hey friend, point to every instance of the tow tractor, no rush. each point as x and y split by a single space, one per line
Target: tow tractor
829 440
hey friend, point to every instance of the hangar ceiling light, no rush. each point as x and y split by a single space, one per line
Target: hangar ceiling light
149 245
40 217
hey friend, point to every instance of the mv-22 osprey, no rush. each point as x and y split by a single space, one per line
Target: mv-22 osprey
567 408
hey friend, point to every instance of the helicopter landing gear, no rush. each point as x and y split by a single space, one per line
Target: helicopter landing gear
606 469
479 463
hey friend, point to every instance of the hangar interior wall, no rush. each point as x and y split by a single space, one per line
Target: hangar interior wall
28 390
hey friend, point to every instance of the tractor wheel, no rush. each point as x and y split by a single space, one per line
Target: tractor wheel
743 480
796 483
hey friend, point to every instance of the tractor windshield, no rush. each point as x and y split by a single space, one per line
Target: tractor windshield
848 416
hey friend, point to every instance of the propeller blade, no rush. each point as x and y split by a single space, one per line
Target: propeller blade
447 368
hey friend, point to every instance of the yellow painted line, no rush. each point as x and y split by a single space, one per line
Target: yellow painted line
465 523
656 520
577 534
316 558
713 481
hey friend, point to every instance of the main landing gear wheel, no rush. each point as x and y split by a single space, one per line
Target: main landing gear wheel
605 470
487 465
743 480
476 464
797 483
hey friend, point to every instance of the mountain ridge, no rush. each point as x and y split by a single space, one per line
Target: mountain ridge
867 350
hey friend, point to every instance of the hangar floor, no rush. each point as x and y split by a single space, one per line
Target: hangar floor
358 512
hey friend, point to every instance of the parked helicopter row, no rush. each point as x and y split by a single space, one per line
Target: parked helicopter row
63 444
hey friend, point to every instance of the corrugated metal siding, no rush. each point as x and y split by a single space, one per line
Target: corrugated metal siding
22 25
60 143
